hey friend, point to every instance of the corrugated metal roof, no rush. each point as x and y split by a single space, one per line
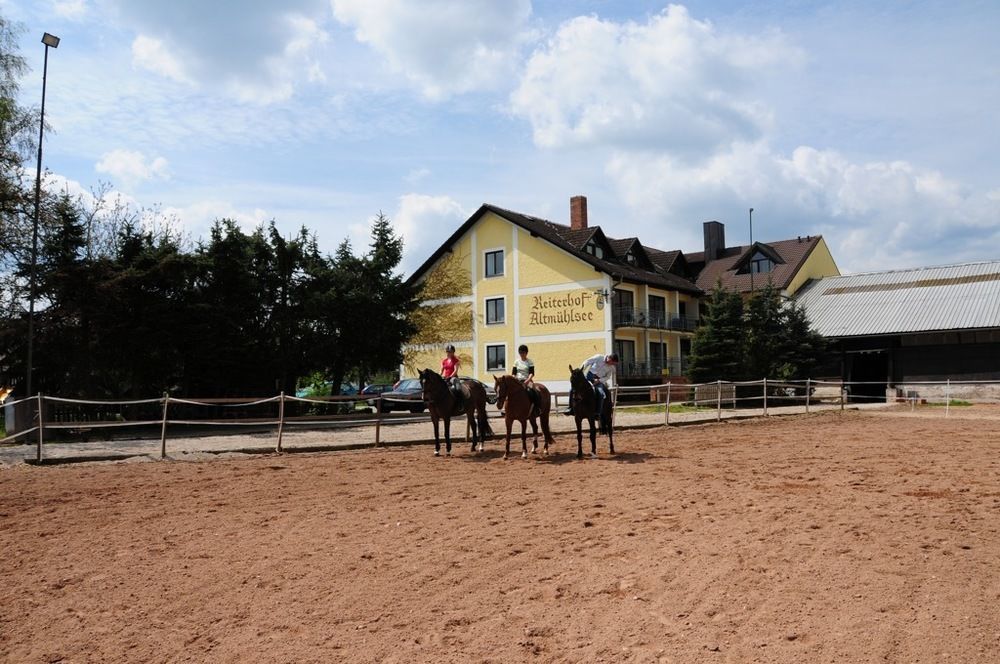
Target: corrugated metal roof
952 297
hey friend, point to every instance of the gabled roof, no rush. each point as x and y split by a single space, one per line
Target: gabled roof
569 240
792 253
951 297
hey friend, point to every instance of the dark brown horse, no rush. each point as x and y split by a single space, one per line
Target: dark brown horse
444 403
516 403
585 407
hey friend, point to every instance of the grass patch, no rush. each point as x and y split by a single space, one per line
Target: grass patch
953 404
658 408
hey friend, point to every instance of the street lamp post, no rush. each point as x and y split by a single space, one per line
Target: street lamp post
751 251
53 41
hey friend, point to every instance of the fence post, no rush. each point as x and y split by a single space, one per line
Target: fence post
281 418
666 421
765 396
378 419
842 395
163 428
41 424
947 398
808 391
718 400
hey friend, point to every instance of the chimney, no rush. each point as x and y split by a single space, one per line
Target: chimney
578 213
715 240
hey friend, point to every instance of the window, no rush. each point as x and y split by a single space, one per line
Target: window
657 311
594 249
630 258
496 358
761 263
495 311
494 263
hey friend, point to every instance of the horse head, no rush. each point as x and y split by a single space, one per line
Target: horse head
577 380
432 385
500 387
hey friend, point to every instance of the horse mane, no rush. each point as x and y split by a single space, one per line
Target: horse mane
510 381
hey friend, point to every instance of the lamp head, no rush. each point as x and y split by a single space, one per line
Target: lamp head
50 40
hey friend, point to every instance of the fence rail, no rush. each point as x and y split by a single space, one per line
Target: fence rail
81 417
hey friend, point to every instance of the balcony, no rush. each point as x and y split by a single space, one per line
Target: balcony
651 319
672 366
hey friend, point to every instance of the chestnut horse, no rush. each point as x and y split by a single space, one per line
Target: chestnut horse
444 403
585 407
513 399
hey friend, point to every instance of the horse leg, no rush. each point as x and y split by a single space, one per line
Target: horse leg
579 437
447 436
534 433
471 422
524 439
593 438
437 438
509 421
611 436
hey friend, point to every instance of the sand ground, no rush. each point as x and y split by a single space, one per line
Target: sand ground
835 537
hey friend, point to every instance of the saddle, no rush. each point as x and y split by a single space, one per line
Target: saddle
458 391
534 398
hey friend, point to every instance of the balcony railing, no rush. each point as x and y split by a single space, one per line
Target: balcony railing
652 319
672 366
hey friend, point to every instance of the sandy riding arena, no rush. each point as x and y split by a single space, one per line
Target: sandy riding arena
837 537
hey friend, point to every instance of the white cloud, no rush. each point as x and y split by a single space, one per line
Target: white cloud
671 83
442 46
130 167
151 54
198 217
255 50
70 9
416 175
423 221
875 214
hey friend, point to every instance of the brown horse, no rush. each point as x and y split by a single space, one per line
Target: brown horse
516 403
585 407
444 403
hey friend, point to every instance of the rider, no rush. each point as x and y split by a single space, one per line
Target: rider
449 366
524 368
524 371
598 369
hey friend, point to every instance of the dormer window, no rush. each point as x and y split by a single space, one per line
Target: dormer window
594 249
760 264
630 258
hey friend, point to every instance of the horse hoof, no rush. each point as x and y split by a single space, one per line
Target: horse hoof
593 455
437 452
524 455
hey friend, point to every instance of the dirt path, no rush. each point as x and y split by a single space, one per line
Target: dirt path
822 538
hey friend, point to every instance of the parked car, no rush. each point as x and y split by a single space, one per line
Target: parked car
491 395
404 395
372 391
409 389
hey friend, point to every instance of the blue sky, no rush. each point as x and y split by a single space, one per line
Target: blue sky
873 124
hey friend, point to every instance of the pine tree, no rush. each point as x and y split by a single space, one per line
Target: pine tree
717 351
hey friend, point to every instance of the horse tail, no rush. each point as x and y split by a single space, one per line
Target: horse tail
484 424
546 408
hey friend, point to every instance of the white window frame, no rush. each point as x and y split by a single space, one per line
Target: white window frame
486 310
503 262
486 357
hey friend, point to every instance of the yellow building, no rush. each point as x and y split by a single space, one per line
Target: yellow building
568 292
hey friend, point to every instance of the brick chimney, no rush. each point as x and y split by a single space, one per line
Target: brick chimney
715 240
578 212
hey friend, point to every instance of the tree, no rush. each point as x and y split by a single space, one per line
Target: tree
766 338
717 350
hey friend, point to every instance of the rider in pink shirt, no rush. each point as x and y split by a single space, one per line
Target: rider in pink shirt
449 365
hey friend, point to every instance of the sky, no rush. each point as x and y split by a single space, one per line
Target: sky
872 124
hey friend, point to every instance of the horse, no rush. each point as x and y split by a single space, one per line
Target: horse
444 403
585 406
515 401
